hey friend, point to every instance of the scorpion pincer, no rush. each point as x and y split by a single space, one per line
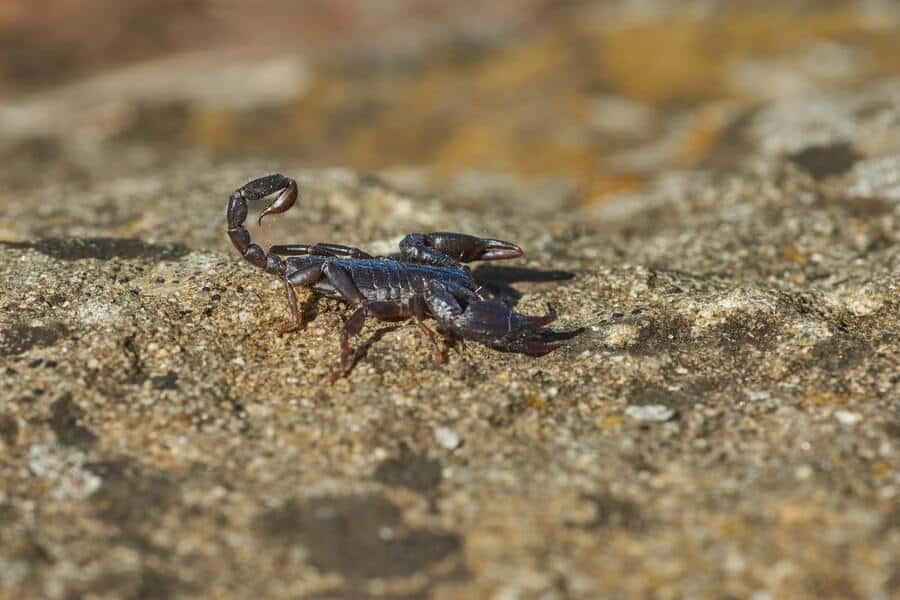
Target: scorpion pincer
427 279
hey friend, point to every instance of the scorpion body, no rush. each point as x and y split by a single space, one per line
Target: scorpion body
427 280
382 279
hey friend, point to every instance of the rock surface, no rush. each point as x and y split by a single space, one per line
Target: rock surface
723 417
159 437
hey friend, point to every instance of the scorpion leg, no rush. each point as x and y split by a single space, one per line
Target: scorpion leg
491 323
445 249
337 277
342 281
332 250
383 311
418 309
295 323
305 278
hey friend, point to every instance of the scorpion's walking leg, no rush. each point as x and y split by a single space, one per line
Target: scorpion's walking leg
342 281
336 276
445 249
383 311
295 323
489 322
418 308
303 278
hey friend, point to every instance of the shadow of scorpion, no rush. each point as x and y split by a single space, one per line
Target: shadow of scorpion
426 279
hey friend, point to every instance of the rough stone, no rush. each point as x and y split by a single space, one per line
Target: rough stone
650 412
728 252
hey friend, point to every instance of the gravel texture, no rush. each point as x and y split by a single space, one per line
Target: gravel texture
722 414
722 419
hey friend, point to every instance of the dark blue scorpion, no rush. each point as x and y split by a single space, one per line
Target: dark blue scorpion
427 279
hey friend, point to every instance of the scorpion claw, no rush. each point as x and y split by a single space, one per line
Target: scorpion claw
496 325
443 248
499 250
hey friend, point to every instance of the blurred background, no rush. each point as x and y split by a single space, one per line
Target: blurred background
589 98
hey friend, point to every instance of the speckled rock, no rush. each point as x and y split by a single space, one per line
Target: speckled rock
722 419
159 437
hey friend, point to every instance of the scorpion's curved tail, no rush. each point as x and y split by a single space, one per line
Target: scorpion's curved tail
237 214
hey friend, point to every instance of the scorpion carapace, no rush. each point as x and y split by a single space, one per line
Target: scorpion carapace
427 279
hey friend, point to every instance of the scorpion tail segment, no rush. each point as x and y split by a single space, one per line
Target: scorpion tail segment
445 248
282 203
240 237
256 189
260 188
237 214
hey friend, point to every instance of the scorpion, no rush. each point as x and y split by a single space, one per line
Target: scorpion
427 279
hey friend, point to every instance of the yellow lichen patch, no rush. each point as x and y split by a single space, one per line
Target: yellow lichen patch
820 399
685 59
731 528
328 102
795 513
701 137
438 87
527 107
367 146
602 186
663 62
537 402
475 145
791 253
547 157
610 421
772 32
213 128
521 65
882 46
881 468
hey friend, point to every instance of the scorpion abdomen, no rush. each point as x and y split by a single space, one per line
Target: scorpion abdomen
385 280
